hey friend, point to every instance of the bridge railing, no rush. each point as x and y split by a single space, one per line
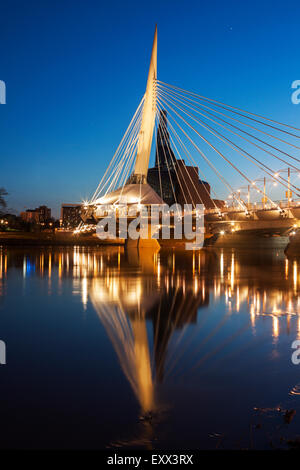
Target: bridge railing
255 206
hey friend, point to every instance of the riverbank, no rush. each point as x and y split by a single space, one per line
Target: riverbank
292 247
52 238
71 239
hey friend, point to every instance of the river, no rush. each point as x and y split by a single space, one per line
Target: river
158 350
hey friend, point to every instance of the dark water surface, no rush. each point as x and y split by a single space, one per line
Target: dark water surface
155 350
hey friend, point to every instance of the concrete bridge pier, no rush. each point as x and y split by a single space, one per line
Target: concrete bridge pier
248 240
253 233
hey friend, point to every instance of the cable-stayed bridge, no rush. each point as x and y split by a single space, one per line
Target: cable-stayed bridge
205 149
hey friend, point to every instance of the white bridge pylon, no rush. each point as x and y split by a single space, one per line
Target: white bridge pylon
148 121
127 181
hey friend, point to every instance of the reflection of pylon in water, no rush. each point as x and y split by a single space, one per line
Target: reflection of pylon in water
142 365
128 335
130 341
123 310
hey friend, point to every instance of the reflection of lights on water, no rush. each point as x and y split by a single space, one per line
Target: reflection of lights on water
252 314
75 256
238 299
24 266
95 264
275 302
295 275
110 286
167 283
257 303
49 272
295 390
28 267
272 302
84 292
264 301
222 266
60 265
275 326
232 272
276 310
111 289
158 269
49 265
115 288
217 288
196 285
3 264
42 264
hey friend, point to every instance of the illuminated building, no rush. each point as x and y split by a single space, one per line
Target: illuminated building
171 178
70 215
40 215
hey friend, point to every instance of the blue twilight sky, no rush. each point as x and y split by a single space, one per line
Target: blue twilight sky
75 72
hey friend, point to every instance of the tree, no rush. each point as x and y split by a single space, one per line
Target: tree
3 193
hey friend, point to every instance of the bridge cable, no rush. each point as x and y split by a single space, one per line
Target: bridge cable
221 105
119 147
227 184
235 127
194 164
218 152
240 150
248 125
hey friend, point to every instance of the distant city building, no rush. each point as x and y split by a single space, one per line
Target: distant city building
172 179
70 215
40 215
29 216
44 214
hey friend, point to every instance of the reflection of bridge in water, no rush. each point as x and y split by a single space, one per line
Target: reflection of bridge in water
170 315
126 304
147 305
